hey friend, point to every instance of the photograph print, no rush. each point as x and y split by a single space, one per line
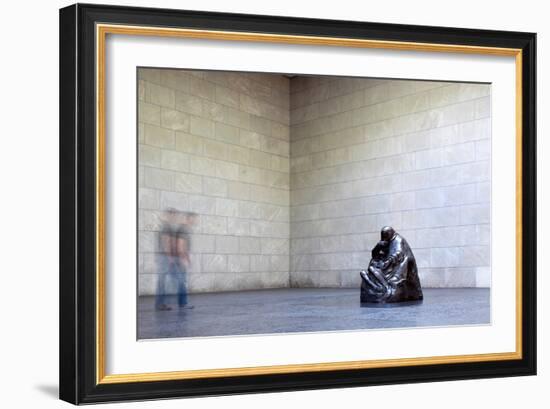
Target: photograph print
273 203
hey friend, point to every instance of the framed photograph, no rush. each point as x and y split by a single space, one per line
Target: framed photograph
257 203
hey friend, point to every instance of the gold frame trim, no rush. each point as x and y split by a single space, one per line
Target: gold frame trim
101 33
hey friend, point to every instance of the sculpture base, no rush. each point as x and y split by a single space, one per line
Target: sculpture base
396 304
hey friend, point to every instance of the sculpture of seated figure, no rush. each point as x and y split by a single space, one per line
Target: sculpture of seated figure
392 275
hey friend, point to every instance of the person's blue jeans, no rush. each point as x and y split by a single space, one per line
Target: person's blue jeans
171 269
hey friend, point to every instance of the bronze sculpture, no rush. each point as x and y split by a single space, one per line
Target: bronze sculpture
392 275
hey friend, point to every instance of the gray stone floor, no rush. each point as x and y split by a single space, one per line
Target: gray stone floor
306 310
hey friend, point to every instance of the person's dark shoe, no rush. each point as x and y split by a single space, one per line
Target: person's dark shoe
187 307
164 307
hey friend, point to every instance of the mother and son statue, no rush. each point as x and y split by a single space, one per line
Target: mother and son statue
392 275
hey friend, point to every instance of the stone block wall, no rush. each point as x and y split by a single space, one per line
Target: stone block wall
367 153
292 179
216 143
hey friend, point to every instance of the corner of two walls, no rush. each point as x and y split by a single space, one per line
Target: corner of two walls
293 179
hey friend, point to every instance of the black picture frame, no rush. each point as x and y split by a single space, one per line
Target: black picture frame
78 236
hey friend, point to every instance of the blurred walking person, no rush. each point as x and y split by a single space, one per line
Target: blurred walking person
173 258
